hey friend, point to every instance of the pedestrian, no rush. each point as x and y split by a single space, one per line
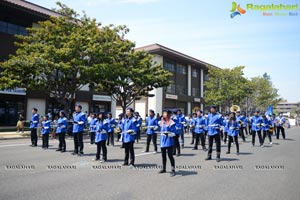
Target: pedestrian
233 127
80 119
33 127
102 128
62 124
128 134
214 123
152 127
167 129
20 123
46 127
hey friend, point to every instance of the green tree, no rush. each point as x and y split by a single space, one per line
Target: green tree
57 57
264 93
226 87
131 75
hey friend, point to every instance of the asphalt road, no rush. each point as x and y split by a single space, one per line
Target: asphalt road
272 172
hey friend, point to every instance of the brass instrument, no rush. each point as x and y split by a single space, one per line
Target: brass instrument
235 108
271 129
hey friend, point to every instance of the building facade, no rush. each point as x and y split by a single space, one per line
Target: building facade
287 108
187 90
15 17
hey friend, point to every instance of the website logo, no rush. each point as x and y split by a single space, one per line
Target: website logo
236 10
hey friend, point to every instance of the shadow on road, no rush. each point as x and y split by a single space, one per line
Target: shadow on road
187 154
186 173
229 159
245 153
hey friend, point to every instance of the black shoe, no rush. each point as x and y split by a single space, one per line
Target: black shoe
172 173
81 152
208 158
218 159
192 143
62 151
194 148
228 152
162 171
237 153
205 149
95 159
74 153
178 154
58 150
125 164
182 146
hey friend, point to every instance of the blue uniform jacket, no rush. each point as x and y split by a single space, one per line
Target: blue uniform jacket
111 125
102 128
46 126
256 122
62 124
280 121
152 125
266 123
225 122
233 128
181 121
34 121
129 129
215 122
79 122
199 123
93 125
167 140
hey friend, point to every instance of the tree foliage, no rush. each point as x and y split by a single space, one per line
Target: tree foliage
68 52
226 87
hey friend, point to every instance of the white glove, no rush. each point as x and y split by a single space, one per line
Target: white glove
81 122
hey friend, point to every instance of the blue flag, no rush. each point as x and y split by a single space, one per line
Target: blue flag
269 110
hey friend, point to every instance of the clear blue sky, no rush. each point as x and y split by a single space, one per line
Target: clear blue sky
204 30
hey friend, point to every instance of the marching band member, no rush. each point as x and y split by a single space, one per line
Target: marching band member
129 130
92 127
178 132
225 122
266 123
111 124
46 126
167 129
191 125
256 122
233 127
152 126
240 119
199 124
119 127
138 125
274 122
214 122
182 123
62 124
245 122
102 127
280 126
78 128
33 127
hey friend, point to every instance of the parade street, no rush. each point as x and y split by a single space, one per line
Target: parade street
32 173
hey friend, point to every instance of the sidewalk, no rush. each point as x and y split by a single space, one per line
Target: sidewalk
14 135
